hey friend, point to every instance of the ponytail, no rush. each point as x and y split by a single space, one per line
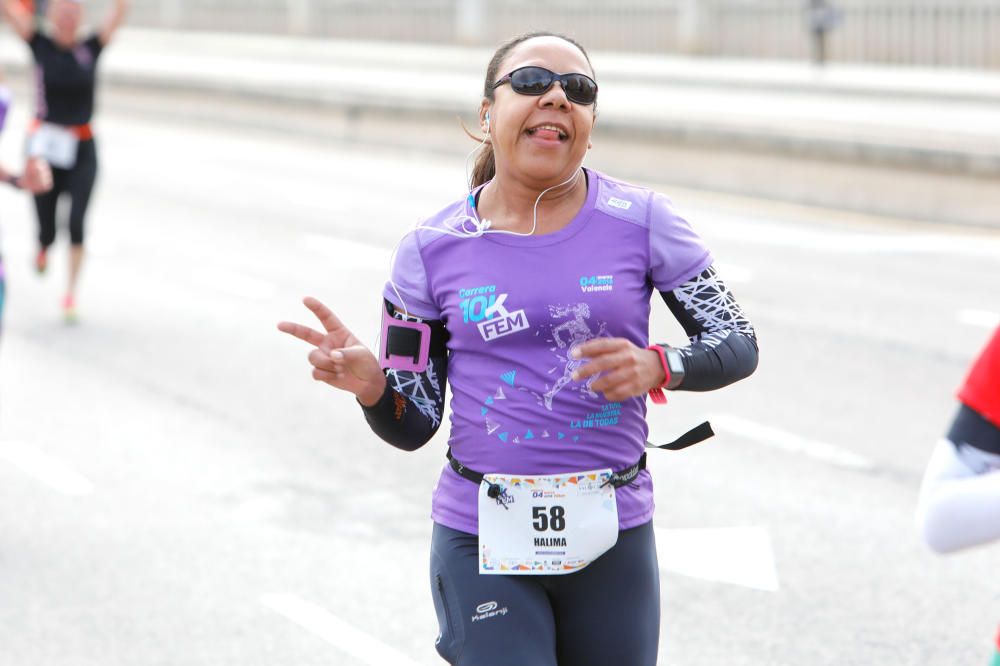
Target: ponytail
485 167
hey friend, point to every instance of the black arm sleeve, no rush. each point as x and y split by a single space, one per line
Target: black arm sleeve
409 411
723 344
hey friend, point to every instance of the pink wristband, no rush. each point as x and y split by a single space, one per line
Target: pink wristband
656 394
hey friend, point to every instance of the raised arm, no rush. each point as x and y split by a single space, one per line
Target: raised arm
412 405
402 407
114 20
20 19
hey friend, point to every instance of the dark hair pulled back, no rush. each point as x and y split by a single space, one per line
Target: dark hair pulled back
485 166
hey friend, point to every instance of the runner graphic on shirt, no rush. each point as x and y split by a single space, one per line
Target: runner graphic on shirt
566 336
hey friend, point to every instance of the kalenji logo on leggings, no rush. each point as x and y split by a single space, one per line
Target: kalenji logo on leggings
488 610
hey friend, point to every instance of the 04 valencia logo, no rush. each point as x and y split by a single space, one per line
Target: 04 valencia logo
592 283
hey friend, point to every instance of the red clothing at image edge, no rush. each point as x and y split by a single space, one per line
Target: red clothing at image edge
981 390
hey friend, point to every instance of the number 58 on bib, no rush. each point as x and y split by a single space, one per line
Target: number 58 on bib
545 525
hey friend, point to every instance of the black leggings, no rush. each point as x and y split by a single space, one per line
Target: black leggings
78 182
605 614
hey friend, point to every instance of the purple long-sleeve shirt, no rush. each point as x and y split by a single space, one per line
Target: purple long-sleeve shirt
515 306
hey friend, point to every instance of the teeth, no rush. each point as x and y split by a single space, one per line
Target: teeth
562 135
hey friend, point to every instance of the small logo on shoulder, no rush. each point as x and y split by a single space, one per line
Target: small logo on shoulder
624 204
487 607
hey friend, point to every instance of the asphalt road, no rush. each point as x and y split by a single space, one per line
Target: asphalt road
175 489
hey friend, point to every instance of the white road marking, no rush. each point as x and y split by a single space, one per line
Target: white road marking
345 637
983 318
55 474
786 441
736 555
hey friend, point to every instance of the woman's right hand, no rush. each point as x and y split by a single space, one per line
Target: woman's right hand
339 358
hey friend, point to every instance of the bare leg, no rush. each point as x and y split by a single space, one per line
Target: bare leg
69 301
75 262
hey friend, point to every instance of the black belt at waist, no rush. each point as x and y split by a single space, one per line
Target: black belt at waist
618 479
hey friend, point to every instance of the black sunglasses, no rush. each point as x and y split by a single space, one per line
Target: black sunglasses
532 80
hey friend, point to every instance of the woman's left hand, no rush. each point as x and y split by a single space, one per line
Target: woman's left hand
37 176
628 370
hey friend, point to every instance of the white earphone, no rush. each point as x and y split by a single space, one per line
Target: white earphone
465 226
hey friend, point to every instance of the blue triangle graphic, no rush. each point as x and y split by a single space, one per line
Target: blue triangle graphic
489 400
529 435
483 411
561 436
509 377
503 436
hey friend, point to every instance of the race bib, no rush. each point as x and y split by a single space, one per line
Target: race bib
55 144
544 525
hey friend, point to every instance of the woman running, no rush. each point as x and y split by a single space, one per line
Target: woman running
530 296
959 503
66 76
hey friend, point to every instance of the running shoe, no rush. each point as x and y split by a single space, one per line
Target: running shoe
69 309
41 261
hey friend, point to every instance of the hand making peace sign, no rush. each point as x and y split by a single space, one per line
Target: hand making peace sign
339 359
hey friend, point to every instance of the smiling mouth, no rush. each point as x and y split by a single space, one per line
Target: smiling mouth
548 132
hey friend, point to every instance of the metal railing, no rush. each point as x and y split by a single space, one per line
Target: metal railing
956 33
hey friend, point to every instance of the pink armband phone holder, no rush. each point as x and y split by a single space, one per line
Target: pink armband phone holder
405 345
